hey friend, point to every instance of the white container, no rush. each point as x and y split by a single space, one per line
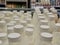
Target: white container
15 17
28 20
10 25
17 20
43 22
51 17
46 36
22 11
44 28
52 8
2 16
23 22
57 27
30 26
14 37
29 12
49 13
10 29
40 14
19 29
29 31
13 22
3 36
41 17
7 19
15 11
2 23
3 26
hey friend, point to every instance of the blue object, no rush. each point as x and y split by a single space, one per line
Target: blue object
53 2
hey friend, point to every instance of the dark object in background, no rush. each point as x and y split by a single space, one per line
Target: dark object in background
2 5
29 3
36 0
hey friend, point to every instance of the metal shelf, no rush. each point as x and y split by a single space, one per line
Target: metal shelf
18 9
16 0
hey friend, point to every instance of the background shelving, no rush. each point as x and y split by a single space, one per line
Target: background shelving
16 3
2 3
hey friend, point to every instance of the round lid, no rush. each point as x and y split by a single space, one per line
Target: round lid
30 25
2 22
13 22
22 11
41 7
10 28
46 9
51 16
29 15
15 16
49 13
41 16
23 21
29 29
15 11
44 26
28 18
2 15
11 13
55 10
14 35
57 24
10 24
4 12
29 12
46 35
7 18
16 19
19 26
52 8
0 42
3 34
25 13
43 20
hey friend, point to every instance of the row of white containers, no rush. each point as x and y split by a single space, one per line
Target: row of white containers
48 27
19 28
16 28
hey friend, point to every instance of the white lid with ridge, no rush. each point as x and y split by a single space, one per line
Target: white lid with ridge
19 26
10 24
13 35
51 17
3 35
50 13
2 22
28 19
57 24
46 21
10 28
40 14
29 31
46 35
44 27
23 22
30 25
41 17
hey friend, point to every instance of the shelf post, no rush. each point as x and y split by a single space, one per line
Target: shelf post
29 3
